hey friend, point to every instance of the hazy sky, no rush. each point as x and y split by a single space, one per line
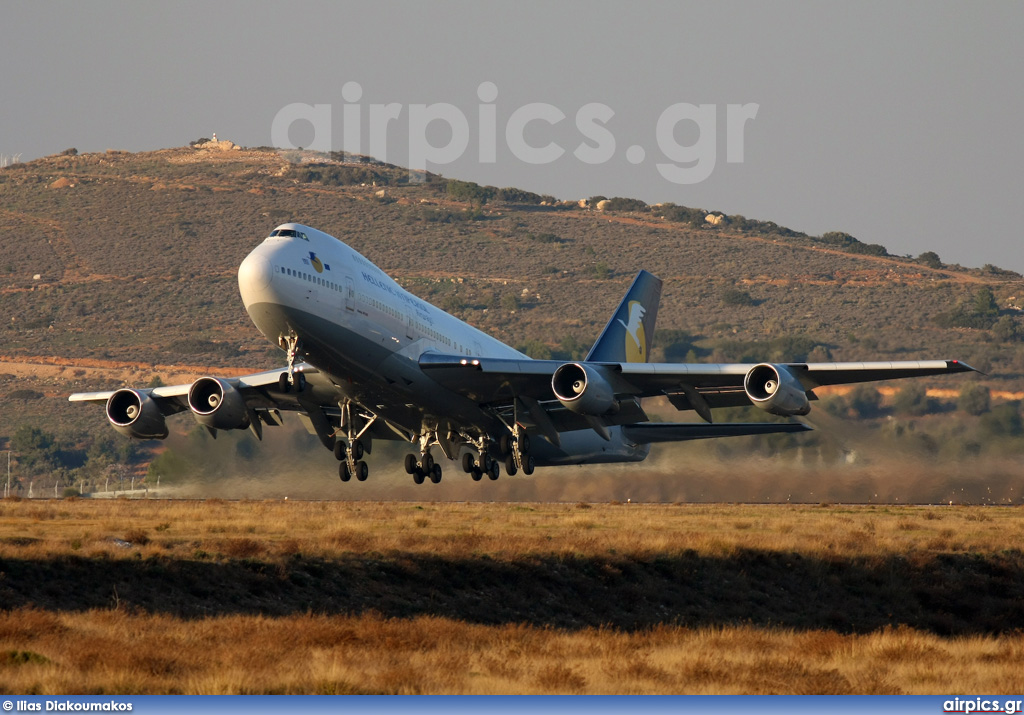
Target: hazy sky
897 122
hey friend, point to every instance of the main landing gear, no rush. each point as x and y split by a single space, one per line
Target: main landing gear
351 460
423 468
480 465
517 448
350 453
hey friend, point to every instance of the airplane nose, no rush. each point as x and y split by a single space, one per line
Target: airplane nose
254 275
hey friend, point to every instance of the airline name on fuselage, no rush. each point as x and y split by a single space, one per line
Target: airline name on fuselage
421 310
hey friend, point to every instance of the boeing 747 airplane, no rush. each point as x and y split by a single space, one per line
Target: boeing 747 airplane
368 361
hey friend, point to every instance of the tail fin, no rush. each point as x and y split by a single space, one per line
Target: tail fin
629 333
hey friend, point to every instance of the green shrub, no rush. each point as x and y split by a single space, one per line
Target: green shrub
544 237
517 196
912 399
619 203
469 191
974 399
735 296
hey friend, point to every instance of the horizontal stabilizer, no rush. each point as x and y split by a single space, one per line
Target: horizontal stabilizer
683 431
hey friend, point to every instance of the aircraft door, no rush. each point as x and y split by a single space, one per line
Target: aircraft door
350 294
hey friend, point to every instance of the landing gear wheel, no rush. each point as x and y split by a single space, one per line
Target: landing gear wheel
524 443
477 474
418 476
357 449
343 473
528 466
300 382
427 462
435 474
510 466
467 462
283 383
339 449
362 471
410 464
505 444
495 471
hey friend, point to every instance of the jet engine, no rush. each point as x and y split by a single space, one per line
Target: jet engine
584 389
135 414
775 389
217 403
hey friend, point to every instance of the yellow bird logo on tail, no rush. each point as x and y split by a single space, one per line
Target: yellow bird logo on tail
636 339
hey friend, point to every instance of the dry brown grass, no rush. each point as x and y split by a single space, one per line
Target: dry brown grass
112 651
329 530
330 597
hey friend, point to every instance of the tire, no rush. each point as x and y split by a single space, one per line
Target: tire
428 463
510 466
468 462
300 382
343 472
417 476
357 449
495 471
528 466
524 443
283 384
505 444
410 464
362 471
435 474
477 474
339 449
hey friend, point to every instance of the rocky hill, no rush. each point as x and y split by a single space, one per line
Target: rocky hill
121 267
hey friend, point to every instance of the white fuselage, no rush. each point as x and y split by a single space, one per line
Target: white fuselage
366 333
316 273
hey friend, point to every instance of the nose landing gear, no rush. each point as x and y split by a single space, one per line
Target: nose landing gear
292 378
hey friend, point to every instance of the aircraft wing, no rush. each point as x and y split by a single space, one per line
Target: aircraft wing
248 401
174 398
687 385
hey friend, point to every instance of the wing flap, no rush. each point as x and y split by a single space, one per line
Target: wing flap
683 431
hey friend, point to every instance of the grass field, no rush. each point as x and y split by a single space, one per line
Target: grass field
296 597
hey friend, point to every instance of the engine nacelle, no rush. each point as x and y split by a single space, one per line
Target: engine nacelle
217 403
135 414
775 389
583 388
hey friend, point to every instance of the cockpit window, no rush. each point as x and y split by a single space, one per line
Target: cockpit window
288 233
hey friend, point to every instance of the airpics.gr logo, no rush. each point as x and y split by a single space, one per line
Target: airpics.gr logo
635 339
